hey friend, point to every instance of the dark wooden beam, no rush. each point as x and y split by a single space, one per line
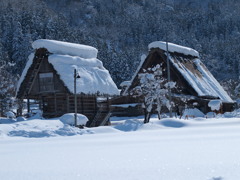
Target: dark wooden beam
82 106
55 103
67 102
28 105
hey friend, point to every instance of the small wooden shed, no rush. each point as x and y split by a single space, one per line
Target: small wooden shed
196 86
49 78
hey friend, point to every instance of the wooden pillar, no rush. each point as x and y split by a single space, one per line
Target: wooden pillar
55 103
67 99
96 109
40 103
108 104
82 107
28 105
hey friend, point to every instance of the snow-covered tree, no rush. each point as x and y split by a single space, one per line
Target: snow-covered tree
153 90
7 88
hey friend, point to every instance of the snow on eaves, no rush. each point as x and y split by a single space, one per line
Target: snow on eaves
173 48
94 78
66 48
125 83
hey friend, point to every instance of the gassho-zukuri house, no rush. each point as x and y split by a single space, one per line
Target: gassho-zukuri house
195 85
49 78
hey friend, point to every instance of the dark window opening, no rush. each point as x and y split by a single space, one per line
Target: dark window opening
46 82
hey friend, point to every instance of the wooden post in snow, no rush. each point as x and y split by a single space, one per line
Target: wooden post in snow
169 78
75 95
28 104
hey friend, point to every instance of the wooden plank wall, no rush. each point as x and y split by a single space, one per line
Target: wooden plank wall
59 104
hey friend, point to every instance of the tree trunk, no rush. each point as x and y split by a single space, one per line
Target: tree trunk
159 115
147 116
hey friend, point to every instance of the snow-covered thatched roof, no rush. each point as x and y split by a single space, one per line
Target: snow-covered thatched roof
65 57
200 79
94 78
192 70
173 48
65 48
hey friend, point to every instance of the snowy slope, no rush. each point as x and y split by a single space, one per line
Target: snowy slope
170 149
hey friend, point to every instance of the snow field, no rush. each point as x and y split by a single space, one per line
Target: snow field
168 149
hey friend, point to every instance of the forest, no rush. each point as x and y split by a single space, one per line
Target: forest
121 30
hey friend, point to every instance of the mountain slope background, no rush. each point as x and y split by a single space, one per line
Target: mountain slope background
121 31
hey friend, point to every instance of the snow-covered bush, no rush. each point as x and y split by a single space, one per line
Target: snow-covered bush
10 115
69 119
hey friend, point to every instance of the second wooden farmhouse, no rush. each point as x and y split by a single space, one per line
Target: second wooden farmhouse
195 85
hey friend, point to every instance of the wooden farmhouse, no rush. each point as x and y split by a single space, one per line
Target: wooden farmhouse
49 78
195 85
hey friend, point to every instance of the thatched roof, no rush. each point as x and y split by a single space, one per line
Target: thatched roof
65 57
186 61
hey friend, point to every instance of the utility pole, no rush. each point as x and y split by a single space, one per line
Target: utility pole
169 79
76 76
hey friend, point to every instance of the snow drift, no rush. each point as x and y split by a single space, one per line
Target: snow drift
69 119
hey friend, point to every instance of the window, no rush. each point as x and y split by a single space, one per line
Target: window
46 82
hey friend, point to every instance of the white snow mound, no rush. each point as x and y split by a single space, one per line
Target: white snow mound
215 104
173 48
192 113
21 118
69 119
66 48
10 115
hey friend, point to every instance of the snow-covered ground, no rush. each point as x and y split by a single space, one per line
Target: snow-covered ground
169 149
